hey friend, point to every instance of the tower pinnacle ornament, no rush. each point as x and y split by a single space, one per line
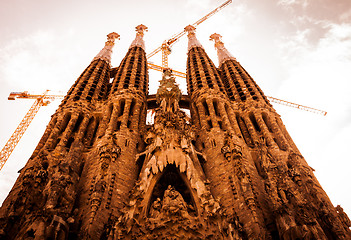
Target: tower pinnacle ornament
222 53
193 42
105 53
139 41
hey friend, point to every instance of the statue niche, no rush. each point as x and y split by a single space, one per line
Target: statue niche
171 196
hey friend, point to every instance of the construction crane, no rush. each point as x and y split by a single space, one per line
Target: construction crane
166 50
298 106
166 45
160 69
40 100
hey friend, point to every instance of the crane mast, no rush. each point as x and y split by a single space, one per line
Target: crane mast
40 100
160 69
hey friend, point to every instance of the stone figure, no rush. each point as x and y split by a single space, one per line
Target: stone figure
58 229
40 177
343 216
173 203
108 152
57 195
230 149
155 208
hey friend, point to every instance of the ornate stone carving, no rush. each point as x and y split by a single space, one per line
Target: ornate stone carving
343 216
230 149
193 42
58 192
139 41
222 52
155 208
108 152
58 229
169 147
173 203
105 53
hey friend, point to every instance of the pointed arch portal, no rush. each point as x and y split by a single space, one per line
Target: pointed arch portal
171 176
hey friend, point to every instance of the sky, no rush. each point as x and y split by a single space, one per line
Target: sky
296 50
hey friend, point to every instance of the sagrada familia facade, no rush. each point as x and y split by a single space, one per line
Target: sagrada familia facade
228 171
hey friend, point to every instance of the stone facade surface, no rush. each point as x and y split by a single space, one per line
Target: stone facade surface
230 171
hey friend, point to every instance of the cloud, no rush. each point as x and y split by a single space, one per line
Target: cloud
44 60
289 3
336 11
346 16
319 69
34 57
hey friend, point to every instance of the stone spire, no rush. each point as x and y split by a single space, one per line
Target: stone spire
193 42
222 52
105 53
133 70
139 41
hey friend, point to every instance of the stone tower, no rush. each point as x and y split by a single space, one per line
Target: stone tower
230 170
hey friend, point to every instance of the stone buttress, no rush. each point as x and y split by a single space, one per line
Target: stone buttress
41 203
228 163
296 207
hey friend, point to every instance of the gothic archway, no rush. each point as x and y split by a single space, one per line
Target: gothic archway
171 176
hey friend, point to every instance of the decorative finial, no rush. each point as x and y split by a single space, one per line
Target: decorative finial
193 42
138 41
222 52
167 76
217 38
141 29
105 53
112 36
190 29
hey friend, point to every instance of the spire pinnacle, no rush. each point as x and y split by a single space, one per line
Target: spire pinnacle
139 41
105 53
193 42
222 53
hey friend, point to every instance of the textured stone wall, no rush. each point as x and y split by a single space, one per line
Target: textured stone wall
44 196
